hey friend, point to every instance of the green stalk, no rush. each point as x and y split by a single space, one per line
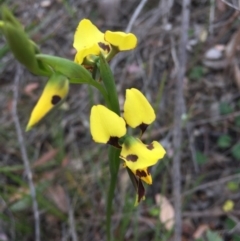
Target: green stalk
113 153
102 90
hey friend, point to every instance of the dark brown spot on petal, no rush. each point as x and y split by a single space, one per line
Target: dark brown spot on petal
113 141
56 99
132 158
141 173
143 127
150 146
104 46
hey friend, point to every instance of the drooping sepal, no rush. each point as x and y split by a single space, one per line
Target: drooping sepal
138 186
106 126
52 96
137 110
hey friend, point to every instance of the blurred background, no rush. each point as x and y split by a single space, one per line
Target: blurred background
71 172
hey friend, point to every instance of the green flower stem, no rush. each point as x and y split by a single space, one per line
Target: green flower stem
109 83
102 90
113 153
112 53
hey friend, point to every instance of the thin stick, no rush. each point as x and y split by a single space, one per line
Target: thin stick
179 108
137 11
211 16
24 152
209 213
135 15
231 5
71 221
211 184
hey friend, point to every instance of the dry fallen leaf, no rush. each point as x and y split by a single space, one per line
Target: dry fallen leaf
166 211
28 90
58 196
48 156
45 3
200 231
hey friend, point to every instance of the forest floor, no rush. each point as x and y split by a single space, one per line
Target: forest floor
71 172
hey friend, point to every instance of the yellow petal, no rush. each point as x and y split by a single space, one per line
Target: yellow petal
138 156
92 50
123 41
87 35
105 124
89 40
137 110
54 92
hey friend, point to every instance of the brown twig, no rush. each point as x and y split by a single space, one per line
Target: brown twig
24 152
179 108
209 213
216 118
136 13
231 5
71 221
211 184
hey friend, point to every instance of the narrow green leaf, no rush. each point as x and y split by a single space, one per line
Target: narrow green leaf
21 46
8 17
75 72
113 153
109 83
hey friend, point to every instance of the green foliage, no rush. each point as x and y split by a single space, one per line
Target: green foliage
237 121
21 46
225 108
75 72
213 236
235 151
233 186
197 72
190 32
154 211
236 237
230 223
201 158
224 141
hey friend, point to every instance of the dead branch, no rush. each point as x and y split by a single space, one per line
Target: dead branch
179 108
23 150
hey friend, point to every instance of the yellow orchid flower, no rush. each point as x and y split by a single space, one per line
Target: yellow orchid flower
107 127
53 94
89 41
